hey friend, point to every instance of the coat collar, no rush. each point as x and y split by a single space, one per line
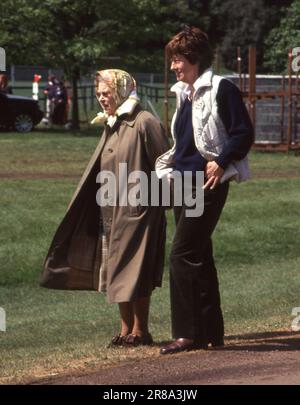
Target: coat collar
130 119
205 80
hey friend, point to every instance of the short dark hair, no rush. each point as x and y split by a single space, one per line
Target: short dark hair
193 44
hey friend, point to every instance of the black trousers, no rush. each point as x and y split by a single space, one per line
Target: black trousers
195 298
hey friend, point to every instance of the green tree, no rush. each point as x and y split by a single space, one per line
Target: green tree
155 22
243 23
283 37
76 35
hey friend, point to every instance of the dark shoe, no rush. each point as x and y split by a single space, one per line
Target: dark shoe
117 340
181 345
135 340
217 343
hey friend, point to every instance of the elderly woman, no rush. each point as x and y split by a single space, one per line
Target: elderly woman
114 248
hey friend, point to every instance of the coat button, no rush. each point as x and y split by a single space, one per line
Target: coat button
110 150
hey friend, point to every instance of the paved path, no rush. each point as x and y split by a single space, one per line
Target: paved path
265 359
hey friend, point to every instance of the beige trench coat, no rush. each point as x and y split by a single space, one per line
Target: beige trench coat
136 250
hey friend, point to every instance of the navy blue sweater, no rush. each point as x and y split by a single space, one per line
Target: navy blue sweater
235 118
186 157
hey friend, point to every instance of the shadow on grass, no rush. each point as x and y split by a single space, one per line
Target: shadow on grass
264 342
256 342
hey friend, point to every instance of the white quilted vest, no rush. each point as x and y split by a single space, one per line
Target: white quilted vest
209 132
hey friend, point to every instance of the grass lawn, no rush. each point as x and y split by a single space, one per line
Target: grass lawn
48 331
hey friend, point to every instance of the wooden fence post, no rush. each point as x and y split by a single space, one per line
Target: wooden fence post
239 69
252 83
290 107
166 101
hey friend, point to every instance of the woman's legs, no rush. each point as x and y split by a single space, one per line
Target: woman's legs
141 315
127 317
134 317
195 301
194 286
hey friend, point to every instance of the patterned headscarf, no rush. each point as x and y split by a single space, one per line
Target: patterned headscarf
124 89
120 81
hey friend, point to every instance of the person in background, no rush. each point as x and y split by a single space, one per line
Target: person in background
4 87
57 101
117 249
60 102
49 93
35 87
212 133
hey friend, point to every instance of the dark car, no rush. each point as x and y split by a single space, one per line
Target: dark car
20 113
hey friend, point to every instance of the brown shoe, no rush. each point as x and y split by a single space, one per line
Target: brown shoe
181 345
117 340
135 340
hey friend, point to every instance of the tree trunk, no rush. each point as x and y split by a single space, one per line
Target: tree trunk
75 109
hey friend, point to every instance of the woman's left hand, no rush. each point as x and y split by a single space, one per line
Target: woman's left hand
214 173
